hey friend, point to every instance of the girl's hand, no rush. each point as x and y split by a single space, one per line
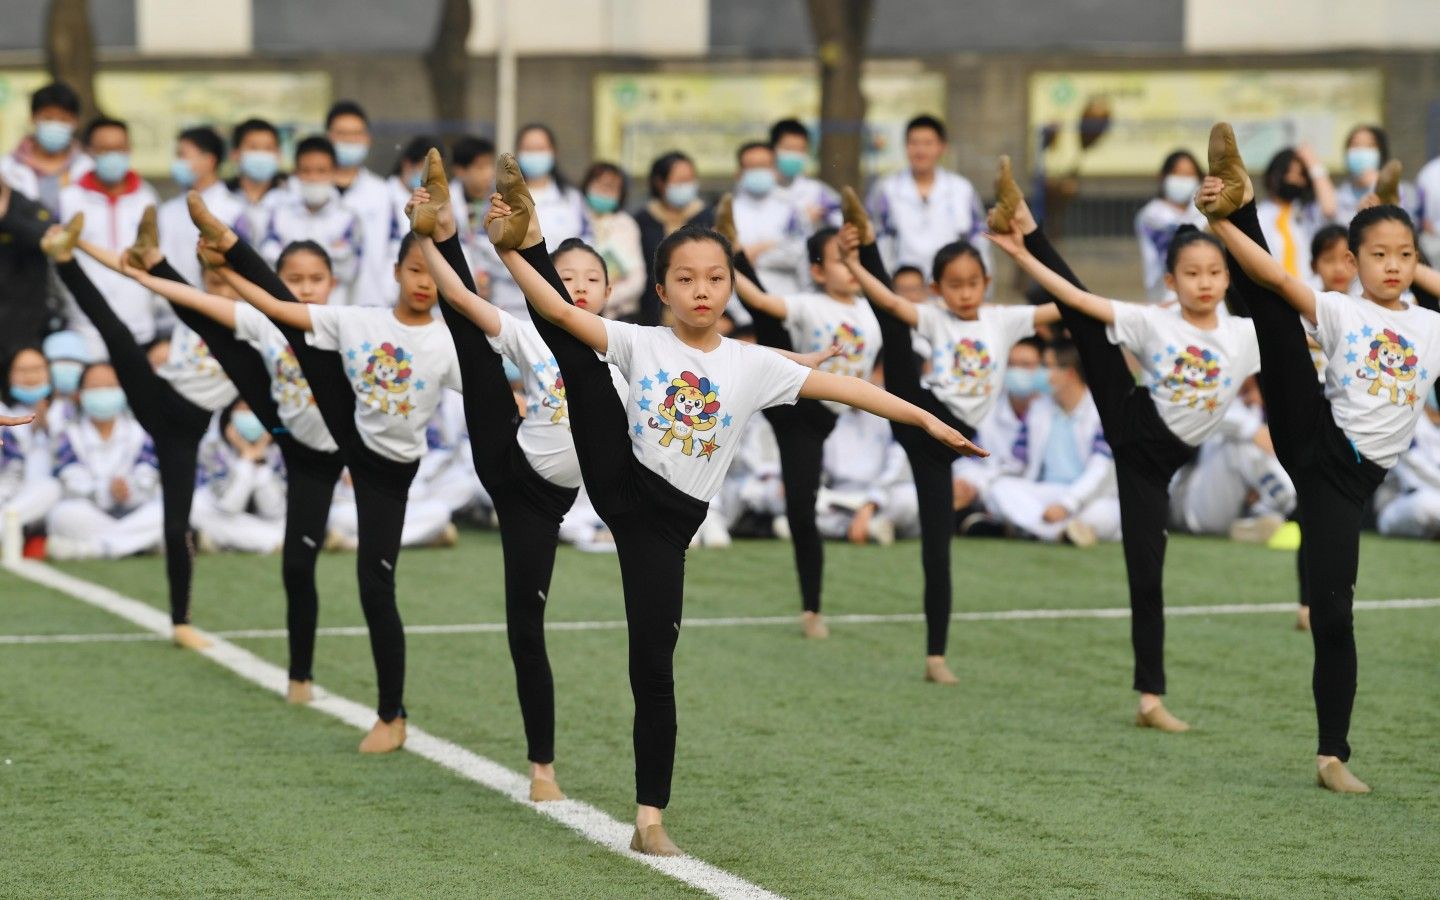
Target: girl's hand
848 239
814 360
495 218
1369 200
1209 193
418 197
211 256
1055 513
952 438
8 421
1012 242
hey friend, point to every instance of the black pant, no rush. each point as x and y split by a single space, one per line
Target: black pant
175 426
310 478
1333 486
382 487
652 522
800 433
1147 455
529 508
930 460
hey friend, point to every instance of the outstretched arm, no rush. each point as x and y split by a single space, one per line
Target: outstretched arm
584 325
878 291
221 309
105 257
862 394
295 315
755 298
474 307
1092 305
1254 259
1427 279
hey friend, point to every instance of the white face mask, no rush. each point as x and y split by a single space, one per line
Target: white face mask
1179 189
316 194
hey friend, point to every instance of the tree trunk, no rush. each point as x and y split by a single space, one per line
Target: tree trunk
70 50
446 64
840 28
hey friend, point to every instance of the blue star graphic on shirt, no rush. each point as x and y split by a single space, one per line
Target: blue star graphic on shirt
638 430
1227 382
1367 331
1424 374
1170 349
365 346
725 421
420 385
533 408
1155 358
350 355
1352 357
1345 382
662 376
646 384
643 403
539 368
351 371
1351 338
715 386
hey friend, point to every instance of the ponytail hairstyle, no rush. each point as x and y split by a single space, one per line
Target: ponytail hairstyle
1185 236
953 251
690 234
1365 219
816 243
574 244
296 247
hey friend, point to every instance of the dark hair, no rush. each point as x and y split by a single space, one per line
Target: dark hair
926 121
206 140
100 122
1366 218
345 108
296 247
1034 342
406 243
660 171
470 148
951 252
315 144
1382 140
10 363
787 127
574 243
1326 238
606 168
815 244
1067 355
907 270
249 126
1169 164
102 362
1275 173
752 145
555 173
1185 236
416 149
56 93
689 234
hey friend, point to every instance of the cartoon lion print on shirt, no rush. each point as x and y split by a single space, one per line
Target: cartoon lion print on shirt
851 343
290 380
971 367
385 382
688 411
1390 367
1193 378
555 399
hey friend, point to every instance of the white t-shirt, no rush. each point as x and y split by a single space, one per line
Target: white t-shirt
688 408
968 358
1192 374
396 370
1381 364
194 373
545 434
816 321
288 387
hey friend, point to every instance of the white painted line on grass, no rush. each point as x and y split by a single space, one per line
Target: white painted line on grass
582 818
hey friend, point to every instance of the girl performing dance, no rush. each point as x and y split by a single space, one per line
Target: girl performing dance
652 459
970 343
1336 440
376 375
1194 365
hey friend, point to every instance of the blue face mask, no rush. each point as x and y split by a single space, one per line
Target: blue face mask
65 375
415 179
791 162
536 163
111 167
602 203
1360 160
248 424
182 173
1430 400
29 395
681 194
53 136
757 182
349 154
259 165
102 404
1022 383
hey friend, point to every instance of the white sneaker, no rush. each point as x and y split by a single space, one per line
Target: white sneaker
1080 533
882 530
781 526
58 546
1257 530
713 533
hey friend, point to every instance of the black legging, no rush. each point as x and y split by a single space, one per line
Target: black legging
381 489
310 478
529 508
1147 456
652 522
174 424
800 433
930 460
1333 486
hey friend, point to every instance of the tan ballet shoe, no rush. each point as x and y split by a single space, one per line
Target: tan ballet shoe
853 212
1302 619
1008 198
1336 776
814 625
299 692
1387 185
509 233
384 737
543 790
187 637
653 841
1160 719
427 215
147 238
936 672
725 220
60 245
1226 164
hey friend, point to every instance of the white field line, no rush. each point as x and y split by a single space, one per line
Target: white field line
582 818
1003 615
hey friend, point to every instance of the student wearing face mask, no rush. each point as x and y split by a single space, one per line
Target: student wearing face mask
1300 200
314 212
109 476
470 189
49 159
674 202
198 154
770 231
815 202
26 485
363 192
616 237
1367 148
1157 220
240 496
1002 432
68 355
556 200
257 185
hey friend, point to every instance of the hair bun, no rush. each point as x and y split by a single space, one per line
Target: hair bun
1185 229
